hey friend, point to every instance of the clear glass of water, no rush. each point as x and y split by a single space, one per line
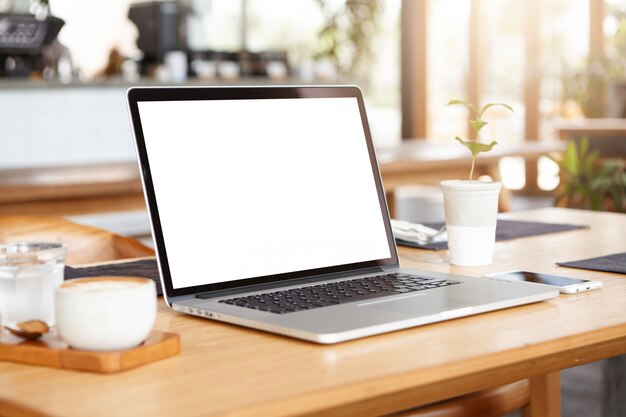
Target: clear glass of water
29 272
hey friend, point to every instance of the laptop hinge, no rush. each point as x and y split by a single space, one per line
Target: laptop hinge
287 283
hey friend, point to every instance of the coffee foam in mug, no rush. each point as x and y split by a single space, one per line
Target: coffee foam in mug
103 283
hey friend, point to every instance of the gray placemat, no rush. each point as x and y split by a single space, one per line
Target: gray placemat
609 263
505 230
145 268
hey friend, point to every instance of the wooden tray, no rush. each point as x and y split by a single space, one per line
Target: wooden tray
56 354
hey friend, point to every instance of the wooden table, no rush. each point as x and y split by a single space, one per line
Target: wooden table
604 127
225 370
418 161
112 187
71 190
608 136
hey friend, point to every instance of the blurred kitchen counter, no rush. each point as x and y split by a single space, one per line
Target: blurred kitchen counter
37 83
71 190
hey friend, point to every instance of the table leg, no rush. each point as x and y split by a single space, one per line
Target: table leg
545 396
532 176
614 403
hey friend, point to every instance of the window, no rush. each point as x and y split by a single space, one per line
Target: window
295 27
614 28
564 57
504 45
544 57
448 66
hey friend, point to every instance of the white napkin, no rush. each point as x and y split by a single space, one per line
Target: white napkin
417 233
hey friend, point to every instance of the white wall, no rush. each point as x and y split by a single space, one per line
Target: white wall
64 126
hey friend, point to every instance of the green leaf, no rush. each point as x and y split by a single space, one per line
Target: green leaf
618 198
462 103
584 147
570 159
476 124
588 164
476 147
596 201
612 164
486 106
600 183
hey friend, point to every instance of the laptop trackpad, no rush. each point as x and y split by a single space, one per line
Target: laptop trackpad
417 305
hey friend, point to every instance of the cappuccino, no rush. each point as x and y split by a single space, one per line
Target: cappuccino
105 313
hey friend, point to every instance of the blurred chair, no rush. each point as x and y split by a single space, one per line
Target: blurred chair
492 402
86 244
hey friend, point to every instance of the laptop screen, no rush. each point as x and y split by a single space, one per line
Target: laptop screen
249 188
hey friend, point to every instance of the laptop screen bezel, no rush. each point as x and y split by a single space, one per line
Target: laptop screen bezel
136 95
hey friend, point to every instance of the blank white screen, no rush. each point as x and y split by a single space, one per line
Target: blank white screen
250 188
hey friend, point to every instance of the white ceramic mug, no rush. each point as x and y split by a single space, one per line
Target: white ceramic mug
105 313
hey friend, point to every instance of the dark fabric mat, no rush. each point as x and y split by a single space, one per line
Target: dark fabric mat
505 230
609 263
145 268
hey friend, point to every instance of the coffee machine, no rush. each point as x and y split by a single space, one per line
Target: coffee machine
162 28
23 39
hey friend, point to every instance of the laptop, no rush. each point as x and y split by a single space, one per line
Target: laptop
268 211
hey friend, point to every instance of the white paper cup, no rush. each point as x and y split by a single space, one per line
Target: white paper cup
105 313
471 215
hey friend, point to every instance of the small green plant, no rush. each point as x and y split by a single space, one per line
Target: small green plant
476 124
589 182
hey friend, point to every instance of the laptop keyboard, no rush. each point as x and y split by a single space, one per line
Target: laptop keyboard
333 293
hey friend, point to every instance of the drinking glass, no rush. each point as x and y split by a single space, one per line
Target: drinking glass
29 272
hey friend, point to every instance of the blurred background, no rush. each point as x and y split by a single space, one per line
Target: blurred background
561 64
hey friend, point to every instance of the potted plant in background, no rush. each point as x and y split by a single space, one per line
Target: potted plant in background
471 206
588 181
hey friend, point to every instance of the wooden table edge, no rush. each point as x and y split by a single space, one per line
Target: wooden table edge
398 392
14 409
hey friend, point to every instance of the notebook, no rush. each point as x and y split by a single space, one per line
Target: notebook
268 211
